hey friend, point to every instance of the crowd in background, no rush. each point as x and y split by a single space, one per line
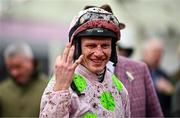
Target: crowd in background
26 82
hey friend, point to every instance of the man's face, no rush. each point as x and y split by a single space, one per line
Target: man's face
20 68
96 52
153 56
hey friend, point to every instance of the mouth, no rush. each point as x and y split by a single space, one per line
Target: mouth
97 61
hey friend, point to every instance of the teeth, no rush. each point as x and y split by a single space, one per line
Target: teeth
99 61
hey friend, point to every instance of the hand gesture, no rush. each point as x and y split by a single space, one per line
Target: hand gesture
65 67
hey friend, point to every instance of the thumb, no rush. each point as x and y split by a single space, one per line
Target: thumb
77 62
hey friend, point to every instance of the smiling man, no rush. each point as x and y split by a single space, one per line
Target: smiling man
82 85
97 52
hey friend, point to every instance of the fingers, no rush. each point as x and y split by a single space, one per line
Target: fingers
58 65
77 62
66 52
57 62
58 59
66 60
70 43
70 55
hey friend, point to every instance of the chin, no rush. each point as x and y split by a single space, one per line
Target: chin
97 69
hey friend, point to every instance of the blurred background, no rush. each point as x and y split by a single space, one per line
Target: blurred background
43 24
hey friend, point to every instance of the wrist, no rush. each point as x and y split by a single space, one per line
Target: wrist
58 87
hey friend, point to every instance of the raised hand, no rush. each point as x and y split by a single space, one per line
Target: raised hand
65 67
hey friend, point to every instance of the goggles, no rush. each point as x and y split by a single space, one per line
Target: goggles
89 16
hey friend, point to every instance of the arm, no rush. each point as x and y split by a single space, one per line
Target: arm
153 108
56 99
55 104
61 104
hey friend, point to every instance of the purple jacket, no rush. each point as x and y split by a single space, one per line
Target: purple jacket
142 95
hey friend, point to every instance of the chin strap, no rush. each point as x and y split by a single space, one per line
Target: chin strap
101 75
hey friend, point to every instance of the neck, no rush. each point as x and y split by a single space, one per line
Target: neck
99 75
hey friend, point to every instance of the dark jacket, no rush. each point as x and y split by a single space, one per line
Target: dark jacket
21 101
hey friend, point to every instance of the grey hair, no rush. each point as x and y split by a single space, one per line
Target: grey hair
18 49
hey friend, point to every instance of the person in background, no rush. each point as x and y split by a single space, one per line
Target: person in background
152 53
176 95
124 50
20 94
137 80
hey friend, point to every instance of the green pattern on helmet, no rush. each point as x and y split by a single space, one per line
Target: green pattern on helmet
117 82
79 82
107 101
89 115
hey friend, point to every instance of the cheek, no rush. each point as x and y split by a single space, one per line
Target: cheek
23 70
87 53
108 53
27 68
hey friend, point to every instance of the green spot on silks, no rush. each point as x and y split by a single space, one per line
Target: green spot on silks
89 115
117 82
107 101
79 82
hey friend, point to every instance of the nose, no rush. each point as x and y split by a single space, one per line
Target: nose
14 72
98 52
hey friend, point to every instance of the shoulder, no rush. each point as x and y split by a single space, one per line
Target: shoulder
41 82
137 69
43 78
123 61
5 85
